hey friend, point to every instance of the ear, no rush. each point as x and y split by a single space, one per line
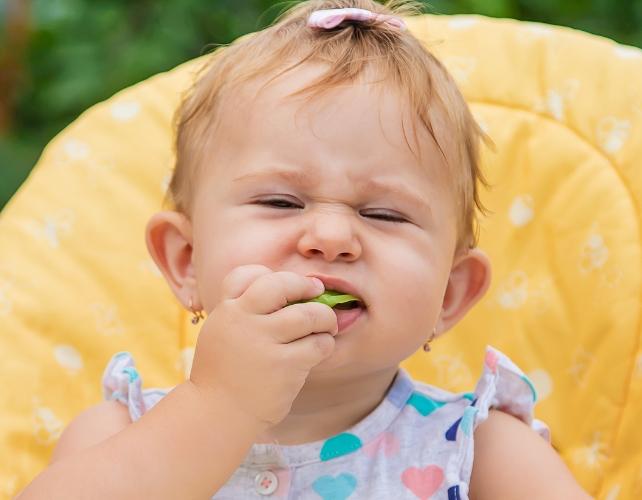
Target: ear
169 241
468 282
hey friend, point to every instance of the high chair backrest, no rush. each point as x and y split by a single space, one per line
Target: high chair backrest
564 110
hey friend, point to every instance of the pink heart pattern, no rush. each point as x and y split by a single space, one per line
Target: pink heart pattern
423 482
386 442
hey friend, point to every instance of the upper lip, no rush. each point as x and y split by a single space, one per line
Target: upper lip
339 285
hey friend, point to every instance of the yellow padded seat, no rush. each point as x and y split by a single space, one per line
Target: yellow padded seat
564 109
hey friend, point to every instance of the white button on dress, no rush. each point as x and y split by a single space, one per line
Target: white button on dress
266 482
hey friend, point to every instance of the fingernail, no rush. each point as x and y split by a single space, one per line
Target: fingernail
318 284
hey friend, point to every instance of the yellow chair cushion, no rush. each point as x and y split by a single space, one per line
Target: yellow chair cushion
565 112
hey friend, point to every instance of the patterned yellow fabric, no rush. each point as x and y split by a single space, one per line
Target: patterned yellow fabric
565 111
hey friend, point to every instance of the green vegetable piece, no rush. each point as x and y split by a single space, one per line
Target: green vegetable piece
330 298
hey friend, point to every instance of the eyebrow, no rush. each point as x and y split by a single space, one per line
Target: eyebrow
371 185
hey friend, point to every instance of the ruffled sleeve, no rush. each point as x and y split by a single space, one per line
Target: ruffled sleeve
121 382
504 386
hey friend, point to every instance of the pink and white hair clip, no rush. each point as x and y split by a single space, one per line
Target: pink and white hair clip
330 18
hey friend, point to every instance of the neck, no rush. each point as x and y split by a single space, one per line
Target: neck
326 406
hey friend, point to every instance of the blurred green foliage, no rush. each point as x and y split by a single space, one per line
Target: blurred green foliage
58 57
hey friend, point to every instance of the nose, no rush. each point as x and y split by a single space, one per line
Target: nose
331 235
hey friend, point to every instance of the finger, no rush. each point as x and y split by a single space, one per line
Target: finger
298 320
240 278
271 292
309 351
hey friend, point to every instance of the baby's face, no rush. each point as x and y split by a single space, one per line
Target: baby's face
308 189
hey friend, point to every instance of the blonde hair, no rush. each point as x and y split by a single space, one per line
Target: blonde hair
348 49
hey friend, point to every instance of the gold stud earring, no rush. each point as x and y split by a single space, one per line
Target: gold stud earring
430 339
198 315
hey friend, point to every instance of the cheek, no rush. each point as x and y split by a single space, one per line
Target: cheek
225 247
418 284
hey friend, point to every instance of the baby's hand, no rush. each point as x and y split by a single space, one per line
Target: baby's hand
255 352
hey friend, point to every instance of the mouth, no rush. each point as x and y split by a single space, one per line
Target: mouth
339 300
353 304
340 294
344 299
345 318
348 308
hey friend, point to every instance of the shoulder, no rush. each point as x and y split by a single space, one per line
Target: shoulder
512 461
90 427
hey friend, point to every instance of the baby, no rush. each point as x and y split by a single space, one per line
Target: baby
323 229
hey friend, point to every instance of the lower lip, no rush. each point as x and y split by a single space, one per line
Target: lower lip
346 317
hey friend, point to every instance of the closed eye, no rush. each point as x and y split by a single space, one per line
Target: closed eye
278 203
386 217
284 204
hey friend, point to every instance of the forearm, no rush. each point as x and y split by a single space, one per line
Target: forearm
184 447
